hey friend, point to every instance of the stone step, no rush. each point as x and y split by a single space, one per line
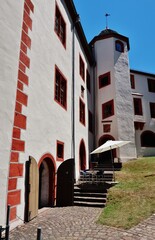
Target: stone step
89 204
89 199
90 194
90 189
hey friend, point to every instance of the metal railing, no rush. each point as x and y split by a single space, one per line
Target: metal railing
95 177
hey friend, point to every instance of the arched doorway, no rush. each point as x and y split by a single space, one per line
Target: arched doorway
46 181
82 155
106 157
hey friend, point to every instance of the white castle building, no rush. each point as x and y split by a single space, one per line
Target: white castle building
61 98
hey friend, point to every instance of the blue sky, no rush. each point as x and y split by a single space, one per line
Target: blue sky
132 18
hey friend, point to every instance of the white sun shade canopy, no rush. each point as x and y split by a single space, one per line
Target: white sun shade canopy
109 145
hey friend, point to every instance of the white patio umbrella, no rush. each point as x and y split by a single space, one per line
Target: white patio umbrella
109 145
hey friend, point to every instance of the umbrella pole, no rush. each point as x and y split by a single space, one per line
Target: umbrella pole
112 164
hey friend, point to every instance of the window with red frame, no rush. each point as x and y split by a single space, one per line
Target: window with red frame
60 151
106 128
90 118
138 106
108 109
104 80
82 112
119 46
151 85
81 68
152 109
60 26
132 81
60 88
88 82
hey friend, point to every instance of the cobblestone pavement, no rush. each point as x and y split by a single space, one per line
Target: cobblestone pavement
79 223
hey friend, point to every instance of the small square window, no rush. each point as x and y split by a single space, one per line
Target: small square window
60 151
104 80
106 128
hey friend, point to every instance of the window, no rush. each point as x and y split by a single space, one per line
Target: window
104 80
138 106
90 122
60 151
88 82
82 112
60 26
60 89
152 109
107 109
106 128
132 81
151 85
148 139
81 68
119 46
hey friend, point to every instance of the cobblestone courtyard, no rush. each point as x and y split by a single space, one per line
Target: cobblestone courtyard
79 223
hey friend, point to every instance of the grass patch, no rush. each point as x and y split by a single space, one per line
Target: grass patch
133 198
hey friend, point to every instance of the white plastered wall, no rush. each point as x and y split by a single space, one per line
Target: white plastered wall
10 27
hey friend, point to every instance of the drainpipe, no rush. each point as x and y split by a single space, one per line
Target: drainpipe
77 19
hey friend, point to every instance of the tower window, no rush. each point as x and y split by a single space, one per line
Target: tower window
104 80
119 46
108 109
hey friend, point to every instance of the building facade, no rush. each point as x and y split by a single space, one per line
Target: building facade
61 98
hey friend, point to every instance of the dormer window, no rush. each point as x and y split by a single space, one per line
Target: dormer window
119 46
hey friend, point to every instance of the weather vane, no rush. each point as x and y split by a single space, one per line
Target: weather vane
107 15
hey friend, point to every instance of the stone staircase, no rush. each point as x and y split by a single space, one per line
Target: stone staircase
92 186
90 196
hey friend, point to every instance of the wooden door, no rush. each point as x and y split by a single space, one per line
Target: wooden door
31 189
